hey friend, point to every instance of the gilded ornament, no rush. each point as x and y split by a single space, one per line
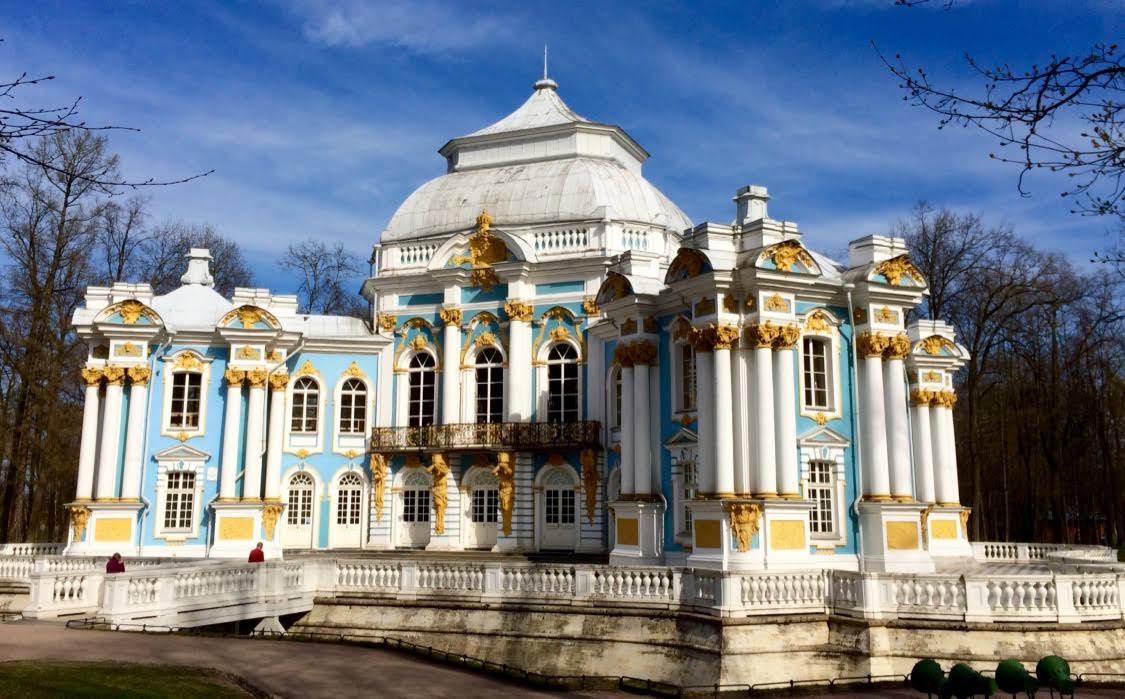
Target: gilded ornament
439 470
623 356
79 518
682 329
248 352
183 437
418 342
485 339
590 479
701 340
139 375
817 322
899 347
896 268
821 419
351 454
354 370
91 376
275 355
128 350
860 315
925 518
651 326
189 361
114 375
270 514
730 303
705 307
257 378
519 310
387 322
279 380
686 419
378 481
688 264
872 344
413 461
921 397
723 337
590 306
943 399
934 343
744 521
964 514
506 477
763 334
131 311
450 316
560 333
787 336
932 376
307 369
302 454
787 253
234 377
629 327
777 304
100 352
643 352
885 315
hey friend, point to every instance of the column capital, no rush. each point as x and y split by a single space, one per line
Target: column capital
921 397
234 377
763 335
256 378
114 375
643 352
387 322
722 337
91 376
450 316
623 356
519 310
139 375
871 344
279 380
787 337
943 399
898 347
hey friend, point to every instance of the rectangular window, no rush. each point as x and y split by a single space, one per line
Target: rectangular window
422 397
299 512
562 392
486 503
821 490
186 395
560 507
687 377
490 394
347 513
816 374
179 501
688 494
416 506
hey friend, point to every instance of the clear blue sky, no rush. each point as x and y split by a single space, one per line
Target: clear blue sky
319 118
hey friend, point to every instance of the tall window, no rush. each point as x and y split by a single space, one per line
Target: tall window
687 377
490 385
179 500
299 511
617 395
353 407
187 389
822 519
306 405
559 500
420 405
688 493
415 505
816 376
486 503
562 383
349 498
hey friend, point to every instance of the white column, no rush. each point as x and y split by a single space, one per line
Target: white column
519 361
898 440
785 419
724 414
595 382
642 449
628 424
232 413
945 494
88 451
873 417
278 383
952 488
923 447
765 463
739 381
255 419
705 404
134 432
111 434
451 367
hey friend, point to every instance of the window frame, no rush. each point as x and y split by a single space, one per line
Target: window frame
290 510
348 395
832 344
296 390
164 468
408 399
549 363
820 487
199 364
495 382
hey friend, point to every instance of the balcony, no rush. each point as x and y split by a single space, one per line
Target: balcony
499 436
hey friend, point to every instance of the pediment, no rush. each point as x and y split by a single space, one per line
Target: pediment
823 437
181 452
682 437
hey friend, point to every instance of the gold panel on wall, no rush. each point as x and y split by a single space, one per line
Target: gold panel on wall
627 532
236 528
708 534
787 534
114 529
902 536
943 529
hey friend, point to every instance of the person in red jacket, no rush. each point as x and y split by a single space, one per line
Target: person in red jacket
257 555
115 564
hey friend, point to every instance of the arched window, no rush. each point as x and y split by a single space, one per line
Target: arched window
817 374
420 405
349 496
306 405
490 385
299 512
485 499
353 407
187 392
562 383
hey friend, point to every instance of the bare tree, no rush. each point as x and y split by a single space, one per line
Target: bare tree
162 260
325 271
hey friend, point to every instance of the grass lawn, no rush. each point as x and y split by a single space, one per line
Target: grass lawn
38 679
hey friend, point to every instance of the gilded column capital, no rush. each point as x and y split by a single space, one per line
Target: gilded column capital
279 380
943 399
898 347
519 310
623 356
91 376
450 316
787 337
871 344
723 337
643 352
921 397
139 374
114 375
387 322
763 335
256 378
234 377
701 340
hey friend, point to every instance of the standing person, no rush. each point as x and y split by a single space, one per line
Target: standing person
257 555
115 564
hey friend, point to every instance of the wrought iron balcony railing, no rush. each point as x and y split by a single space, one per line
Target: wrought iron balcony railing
516 436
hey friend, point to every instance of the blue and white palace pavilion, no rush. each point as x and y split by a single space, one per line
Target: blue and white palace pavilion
556 359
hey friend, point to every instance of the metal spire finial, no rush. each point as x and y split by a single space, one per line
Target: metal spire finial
546 82
545 62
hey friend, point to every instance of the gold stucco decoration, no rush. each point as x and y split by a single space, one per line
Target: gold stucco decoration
355 371
964 515
128 350
921 397
307 369
817 322
114 375
139 374
629 327
450 316
705 307
860 315
270 514
821 419
787 253
519 310
723 337
79 518
419 342
560 333
183 437
279 380
650 325
439 470
682 329
787 337
91 376
387 322
872 344
730 303
898 347
257 378
234 377
925 518
590 306
897 268
590 480
249 316
943 399
188 361
933 376
777 304
744 521
485 339
132 310
248 352
378 481
506 477
643 353
934 344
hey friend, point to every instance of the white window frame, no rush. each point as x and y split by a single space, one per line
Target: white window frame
352 441
471 385
821 479
170 370
831 339
682 453
830 452
613 402
543 371
163 469
679 406
308 442
289 510
402 400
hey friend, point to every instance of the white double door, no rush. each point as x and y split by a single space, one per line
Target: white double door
415 517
